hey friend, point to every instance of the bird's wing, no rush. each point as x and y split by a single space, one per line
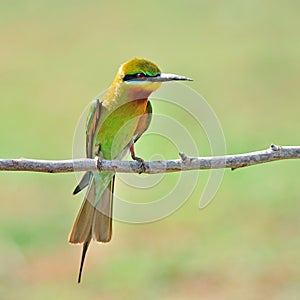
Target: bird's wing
144 122
92 123
83 183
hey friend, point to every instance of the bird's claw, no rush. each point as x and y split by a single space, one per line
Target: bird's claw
142 167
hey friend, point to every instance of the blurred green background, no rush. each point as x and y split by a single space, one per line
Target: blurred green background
244 57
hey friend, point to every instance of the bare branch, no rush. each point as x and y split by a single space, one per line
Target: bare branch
184 164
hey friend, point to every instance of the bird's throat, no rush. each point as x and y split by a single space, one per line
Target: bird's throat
143 91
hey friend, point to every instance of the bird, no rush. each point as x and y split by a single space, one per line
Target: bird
114 123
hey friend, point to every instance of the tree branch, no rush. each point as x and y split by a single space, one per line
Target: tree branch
184 164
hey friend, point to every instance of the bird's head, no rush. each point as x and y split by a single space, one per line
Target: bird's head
143 75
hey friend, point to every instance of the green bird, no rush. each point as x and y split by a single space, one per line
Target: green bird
114 124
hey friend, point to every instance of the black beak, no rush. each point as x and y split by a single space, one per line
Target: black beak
166 77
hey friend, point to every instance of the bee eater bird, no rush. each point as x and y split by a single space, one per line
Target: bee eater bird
114 124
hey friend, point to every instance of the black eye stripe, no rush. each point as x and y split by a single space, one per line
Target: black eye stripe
138 76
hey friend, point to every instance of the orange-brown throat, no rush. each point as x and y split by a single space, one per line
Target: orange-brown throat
138 93
142 91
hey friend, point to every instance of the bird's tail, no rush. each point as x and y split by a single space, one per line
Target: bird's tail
94 219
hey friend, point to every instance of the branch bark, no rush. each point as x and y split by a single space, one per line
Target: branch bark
185 163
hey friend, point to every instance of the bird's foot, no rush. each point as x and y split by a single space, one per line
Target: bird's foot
142 167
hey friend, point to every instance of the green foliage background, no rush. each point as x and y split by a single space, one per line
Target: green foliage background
244 56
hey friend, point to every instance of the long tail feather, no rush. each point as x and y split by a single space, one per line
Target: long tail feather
84 250
93 221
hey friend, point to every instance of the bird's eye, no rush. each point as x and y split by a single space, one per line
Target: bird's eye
132 77
140 75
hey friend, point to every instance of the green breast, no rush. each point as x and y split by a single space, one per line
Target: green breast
118 127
